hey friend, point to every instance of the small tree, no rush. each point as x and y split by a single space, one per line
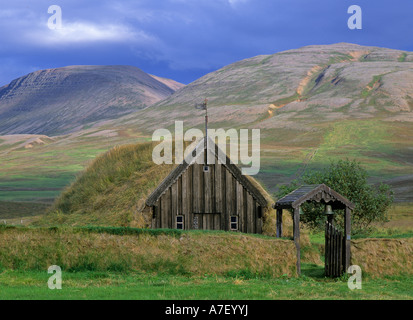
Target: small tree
350 180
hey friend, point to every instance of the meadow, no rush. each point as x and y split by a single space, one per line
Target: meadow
40 173
142 286
143 264
106 263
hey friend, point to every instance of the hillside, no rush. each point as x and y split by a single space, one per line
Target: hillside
295 88
111 191
313 104
62 100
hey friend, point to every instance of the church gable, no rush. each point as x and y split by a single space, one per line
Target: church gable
216 198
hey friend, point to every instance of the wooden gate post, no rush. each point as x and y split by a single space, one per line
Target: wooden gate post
279 223
327 250
347 239
296 230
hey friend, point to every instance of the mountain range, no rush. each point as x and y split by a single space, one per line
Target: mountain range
313 105
286 89
63 100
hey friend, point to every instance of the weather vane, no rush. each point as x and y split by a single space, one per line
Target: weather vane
204 106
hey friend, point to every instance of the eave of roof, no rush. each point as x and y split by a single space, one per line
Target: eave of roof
306 193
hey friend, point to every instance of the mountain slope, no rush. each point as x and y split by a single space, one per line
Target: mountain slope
294 88
312 104
62 100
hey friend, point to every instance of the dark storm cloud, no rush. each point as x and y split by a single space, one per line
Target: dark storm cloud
184 39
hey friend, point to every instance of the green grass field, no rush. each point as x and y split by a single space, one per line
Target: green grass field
121 263
39 174
31 179
383 148
140 286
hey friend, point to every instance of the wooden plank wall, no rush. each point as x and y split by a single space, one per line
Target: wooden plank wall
211 197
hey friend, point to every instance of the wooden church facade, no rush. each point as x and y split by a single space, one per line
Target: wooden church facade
216 197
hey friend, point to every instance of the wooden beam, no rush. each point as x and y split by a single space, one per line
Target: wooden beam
296 230
207 198
250 204
224 216
279 223
230 194
174 205
184 199
190 196
258 219
326 251
240 206
218 188
347 239
153 212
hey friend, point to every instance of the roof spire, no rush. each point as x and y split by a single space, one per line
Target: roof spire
204 106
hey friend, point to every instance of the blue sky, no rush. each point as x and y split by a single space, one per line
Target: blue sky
185 39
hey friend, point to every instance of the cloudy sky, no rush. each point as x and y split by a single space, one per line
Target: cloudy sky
185 39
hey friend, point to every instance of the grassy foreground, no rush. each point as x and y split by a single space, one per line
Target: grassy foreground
140 286
161 251
128 263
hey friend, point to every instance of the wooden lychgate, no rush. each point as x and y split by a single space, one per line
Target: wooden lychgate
337 244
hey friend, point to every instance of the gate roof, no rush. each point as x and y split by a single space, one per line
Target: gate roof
313 192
